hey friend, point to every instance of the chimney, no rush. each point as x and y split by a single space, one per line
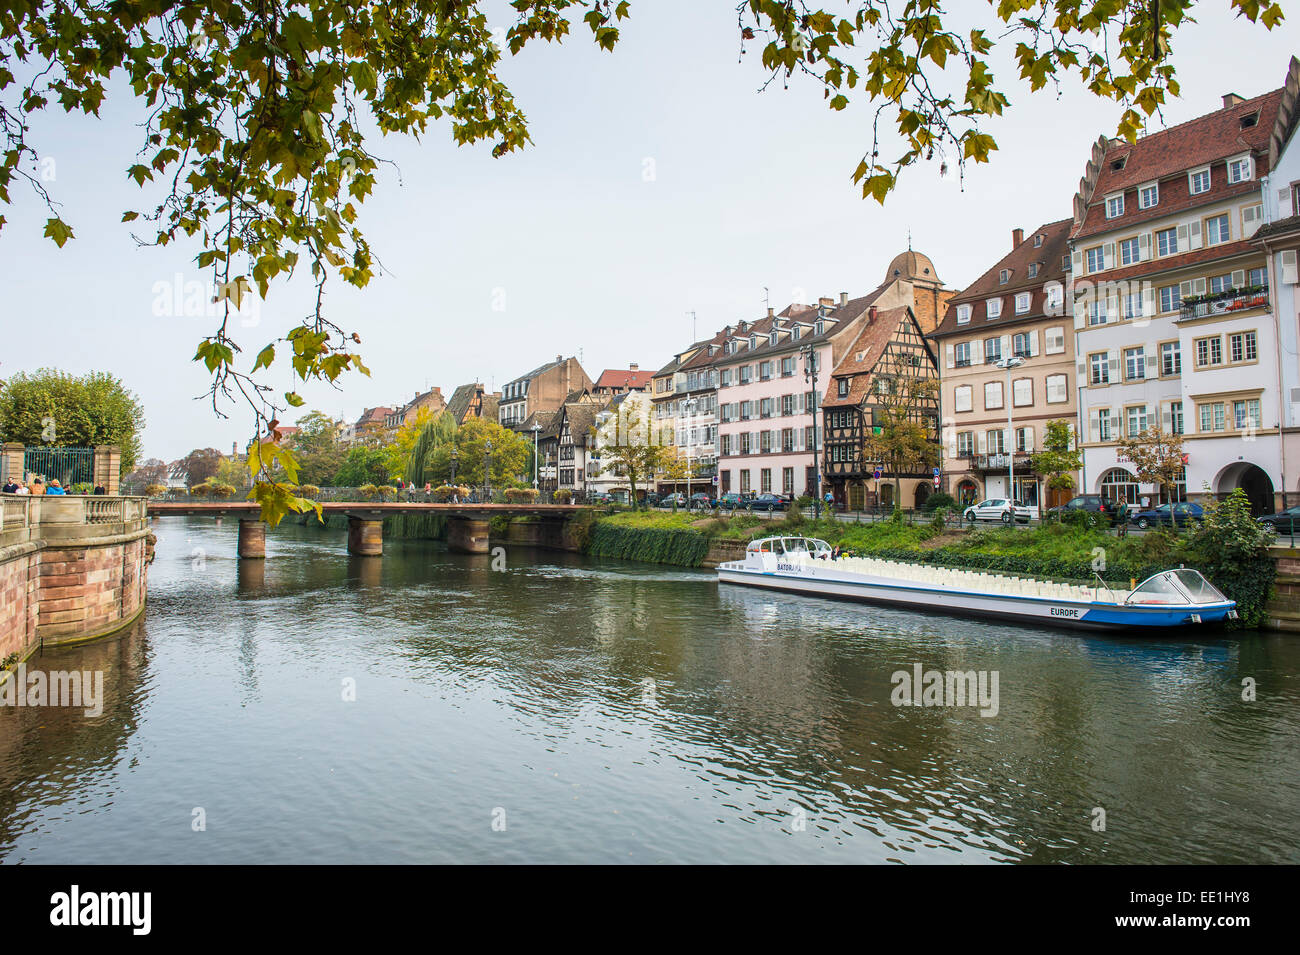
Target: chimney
770 311
1231 99
826 301
844 298
1017 236
871 315
633 367
559 358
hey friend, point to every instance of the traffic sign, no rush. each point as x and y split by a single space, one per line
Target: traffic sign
715 479
877 474
936 482
934 471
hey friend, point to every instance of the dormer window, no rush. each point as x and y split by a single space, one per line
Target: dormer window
1118 164
819 327
753 341
1033 270
1198 180
1004 276
1115 205
771 339
1249 120
844 387
993 308
1038 241
963 314
794 333
1240 169
1148 195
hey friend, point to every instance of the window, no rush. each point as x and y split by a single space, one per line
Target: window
1120 485
1171 298
1242 347
1245 414
1096 259
1020 345
1198 181
1003 276
764 371
745 373
1217 230
995 441
962 398
1137 420
992 395
1209 351
726 378
1022 392
1099 368
765 407
787 366
1212 417
965 443
1033 270
787 481
1056 389
746 410
1176 417
1220 284
787 401
1022 303
963 314
1054 296
745 438
725 445
1171 359
1105 426
787 434
1097 312
1128 251
1257 278
1055 340
1024 439
1240 169
1115 206
744 481
1167 241
992 350
993 308
1148 195
843 389
765 444
1132 304
1135 363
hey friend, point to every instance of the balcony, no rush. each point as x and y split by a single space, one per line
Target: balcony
1224 303
995 462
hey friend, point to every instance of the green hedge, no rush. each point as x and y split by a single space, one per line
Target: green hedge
679 547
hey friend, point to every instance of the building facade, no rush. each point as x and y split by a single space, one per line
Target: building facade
1173 305
995 417
542 389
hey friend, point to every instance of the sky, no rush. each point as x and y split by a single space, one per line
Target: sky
661 182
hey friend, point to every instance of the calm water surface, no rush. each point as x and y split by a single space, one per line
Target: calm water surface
610 712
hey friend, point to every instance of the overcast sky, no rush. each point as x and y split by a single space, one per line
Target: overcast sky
660 182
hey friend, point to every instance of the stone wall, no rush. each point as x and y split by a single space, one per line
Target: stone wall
71 569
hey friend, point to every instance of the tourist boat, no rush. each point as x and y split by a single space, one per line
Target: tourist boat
1172 598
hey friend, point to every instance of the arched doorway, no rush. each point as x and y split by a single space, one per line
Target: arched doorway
968 492
922 494
1118 485
1252 479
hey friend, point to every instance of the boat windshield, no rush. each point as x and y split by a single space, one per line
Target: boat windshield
795 545
1160 589
1200 589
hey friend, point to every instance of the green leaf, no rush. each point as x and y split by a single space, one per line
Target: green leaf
59 231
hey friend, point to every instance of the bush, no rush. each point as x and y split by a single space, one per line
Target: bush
1231 549
305 490
521 495
939 499
387 492
562 496
444 493
154 490
368 491
223 490
1084 520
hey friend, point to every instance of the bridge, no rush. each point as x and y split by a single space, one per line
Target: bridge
467 524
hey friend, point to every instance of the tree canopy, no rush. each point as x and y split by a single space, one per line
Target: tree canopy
52 407
254 116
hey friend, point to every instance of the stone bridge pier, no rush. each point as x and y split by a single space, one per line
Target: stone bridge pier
467 535
365 536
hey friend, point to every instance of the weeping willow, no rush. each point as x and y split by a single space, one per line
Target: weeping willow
438 431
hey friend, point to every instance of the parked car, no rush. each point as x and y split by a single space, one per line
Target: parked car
651 499
1086 502
999 509
1166 515
675 499
702 500
767 502
1284 522
733 500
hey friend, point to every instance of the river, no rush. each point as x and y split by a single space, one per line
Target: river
430 707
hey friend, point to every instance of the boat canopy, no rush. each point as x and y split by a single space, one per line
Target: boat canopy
1183 587
788 545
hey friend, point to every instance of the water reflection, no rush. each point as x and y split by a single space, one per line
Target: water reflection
628 712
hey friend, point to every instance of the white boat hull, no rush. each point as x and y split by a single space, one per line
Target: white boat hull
822 579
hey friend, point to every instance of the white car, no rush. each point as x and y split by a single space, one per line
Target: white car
998 509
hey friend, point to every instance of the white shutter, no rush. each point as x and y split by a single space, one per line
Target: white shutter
983 443
1077 259
952 442
1080 313
977 352
1194 234
1112 359
1108 255
1198 286
1290 272
1252 217
1148 301
1152 371
1144 246
1185 289
948 355
1094 425
1029 439
1239 278
1033 343
1006 346
1166 419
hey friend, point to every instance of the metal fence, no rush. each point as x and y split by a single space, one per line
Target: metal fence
68 466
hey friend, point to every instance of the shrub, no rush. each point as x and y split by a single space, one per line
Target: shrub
368 491
444 492
1084 520
223 490
153 490
387 492
562 496
305 490
80 487
1231 548
522 495
938 500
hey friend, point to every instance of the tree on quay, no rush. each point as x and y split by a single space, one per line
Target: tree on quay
58 409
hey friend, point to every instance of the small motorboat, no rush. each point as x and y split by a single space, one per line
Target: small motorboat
1179 597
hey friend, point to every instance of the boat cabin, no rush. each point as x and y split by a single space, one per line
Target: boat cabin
770 549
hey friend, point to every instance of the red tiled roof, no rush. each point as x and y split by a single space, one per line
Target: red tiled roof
624 378
1165 157
861 357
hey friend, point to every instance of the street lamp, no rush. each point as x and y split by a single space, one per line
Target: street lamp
1010 362
487 472
690 406
809 353
536 428
454 457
